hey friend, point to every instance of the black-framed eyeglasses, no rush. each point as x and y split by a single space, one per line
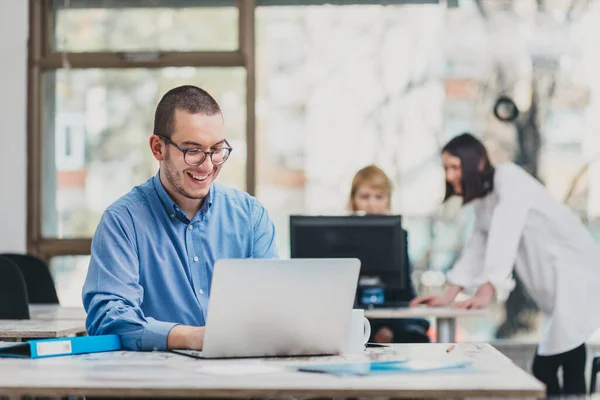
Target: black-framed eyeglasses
195 156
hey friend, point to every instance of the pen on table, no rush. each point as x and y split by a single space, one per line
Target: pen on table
449 349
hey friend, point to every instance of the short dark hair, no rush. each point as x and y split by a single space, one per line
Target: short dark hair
471 152
185 98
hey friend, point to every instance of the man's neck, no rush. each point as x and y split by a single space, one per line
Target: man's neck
190 207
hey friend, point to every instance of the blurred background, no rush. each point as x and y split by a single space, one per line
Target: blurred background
311 92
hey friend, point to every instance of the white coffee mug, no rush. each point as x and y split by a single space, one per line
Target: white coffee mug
359 332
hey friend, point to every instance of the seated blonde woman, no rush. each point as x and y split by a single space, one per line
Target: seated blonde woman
371 193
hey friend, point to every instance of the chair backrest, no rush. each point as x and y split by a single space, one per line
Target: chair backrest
595 372
39 282
13 292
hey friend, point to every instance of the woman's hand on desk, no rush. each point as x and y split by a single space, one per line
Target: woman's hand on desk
186 337
432 301
482 298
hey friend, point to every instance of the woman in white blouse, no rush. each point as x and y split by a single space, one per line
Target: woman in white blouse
519 224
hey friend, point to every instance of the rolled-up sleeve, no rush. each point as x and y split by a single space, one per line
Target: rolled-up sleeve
112 294
264 233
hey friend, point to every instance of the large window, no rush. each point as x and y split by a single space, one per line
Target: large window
97 70
311 93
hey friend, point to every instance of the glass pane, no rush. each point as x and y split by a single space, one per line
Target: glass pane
333 96
341 87
153 27
69 274
98 123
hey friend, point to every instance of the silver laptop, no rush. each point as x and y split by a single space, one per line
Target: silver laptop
263 308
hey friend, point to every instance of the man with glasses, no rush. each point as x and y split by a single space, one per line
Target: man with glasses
153 252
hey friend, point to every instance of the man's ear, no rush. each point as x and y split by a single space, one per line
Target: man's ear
157 147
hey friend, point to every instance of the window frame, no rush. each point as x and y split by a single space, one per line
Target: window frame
42 58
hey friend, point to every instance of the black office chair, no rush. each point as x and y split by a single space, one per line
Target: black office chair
39 282
595 371
13 292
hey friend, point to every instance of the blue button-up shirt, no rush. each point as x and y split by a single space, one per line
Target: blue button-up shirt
151 266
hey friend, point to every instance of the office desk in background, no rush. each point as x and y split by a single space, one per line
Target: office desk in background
54 312
164 374
445 317
17 329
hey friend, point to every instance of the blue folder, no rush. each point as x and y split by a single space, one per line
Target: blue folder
61 347
387 367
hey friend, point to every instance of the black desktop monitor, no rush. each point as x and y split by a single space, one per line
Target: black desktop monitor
378 241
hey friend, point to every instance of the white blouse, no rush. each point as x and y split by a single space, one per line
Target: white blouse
519 224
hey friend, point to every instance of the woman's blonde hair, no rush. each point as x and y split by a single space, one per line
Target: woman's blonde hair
371 176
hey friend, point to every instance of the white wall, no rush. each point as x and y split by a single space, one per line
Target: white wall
13 134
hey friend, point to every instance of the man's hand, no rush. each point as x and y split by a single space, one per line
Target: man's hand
186 337
482 298
432 301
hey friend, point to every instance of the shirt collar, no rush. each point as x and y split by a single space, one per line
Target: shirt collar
172 209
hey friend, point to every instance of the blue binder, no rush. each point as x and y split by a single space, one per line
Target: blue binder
61 347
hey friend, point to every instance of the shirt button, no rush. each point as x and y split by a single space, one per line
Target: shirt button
190 227
196 259
172 215
201 292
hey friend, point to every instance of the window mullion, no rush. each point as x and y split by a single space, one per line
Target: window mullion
151 59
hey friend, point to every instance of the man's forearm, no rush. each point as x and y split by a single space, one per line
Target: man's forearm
186 337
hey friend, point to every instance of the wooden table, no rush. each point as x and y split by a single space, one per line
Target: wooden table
445 317
28 328
152 374
56 312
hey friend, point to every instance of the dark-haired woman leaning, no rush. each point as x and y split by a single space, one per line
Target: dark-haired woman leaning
519 224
